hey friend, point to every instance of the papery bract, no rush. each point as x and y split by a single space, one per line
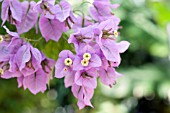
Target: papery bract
28 59
83 35
51 28
101 10
107 43
86 78
10 45
109 76
20 81
10 69
83 94
11 11
63 10
8 48
29 17
47 64
36 82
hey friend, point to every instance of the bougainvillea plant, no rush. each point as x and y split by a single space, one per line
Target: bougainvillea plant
97 52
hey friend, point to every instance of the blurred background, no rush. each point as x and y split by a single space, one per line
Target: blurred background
145 86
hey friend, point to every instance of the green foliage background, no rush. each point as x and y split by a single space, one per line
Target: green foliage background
146 67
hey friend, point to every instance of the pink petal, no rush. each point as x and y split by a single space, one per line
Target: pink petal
75 90
78 78
4 12
77 64
37 55
22 56
66 54
52 2
16 10
36 82
109 24
20 81
123 46
108 77
59 66
110 51
29 18
8 74
62 11
95 61
69 80
81 104
91 83
51 29
36 59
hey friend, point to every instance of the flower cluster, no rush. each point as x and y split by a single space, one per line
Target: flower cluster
97 53
19 59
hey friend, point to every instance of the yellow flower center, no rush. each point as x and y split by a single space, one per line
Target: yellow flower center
116 33
1 71
87 56
84 62
68 62
1 38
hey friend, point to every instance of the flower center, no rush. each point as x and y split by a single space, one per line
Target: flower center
86 75
84 62
1 38
65 69
30 65
1 71
45 7
68 62
87 56
116 33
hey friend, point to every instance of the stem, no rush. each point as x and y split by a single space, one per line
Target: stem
83 20
67 23
32 40
83 4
